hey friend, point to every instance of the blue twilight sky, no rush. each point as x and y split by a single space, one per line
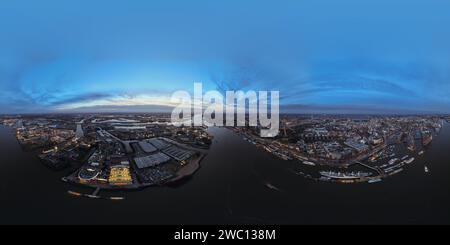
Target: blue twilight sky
346 56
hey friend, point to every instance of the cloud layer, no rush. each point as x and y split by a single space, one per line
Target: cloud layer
323 56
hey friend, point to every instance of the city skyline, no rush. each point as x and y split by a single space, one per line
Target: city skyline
323 57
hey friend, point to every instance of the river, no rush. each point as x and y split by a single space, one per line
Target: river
236 184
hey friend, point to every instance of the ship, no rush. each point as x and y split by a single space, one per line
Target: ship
396 171
270 186
267 149
372 181
390 169
92 196
437 129
405 157
339 175
392 161
73 193
309 163
116 198
323 178
410 160
282 156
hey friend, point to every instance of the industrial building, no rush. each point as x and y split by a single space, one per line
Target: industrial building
151 160
158 143
146 147
177 153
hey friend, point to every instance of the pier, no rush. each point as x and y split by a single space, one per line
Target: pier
377 169
97 190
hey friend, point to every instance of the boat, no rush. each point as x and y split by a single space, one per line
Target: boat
323 178
309 163
392 161
410 160
267 149
390 169
93 196
396 171
404 158
339 175
116 198
427 170
300 173
73 193
270 186
421 153
372 181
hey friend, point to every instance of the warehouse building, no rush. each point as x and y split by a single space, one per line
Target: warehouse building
151 160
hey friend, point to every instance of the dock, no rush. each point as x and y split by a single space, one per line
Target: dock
377 169
97 190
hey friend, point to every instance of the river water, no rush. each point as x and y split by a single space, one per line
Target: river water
237 184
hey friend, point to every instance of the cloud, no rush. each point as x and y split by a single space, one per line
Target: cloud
82 98
353 109
121 109
323 53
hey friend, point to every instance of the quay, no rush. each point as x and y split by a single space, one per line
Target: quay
377 169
